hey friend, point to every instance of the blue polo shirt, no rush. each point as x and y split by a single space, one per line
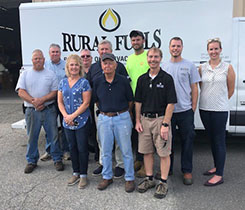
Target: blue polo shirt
114 96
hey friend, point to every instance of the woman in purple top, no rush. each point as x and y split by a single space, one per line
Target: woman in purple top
74 94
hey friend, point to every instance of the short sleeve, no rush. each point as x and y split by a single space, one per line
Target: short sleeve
21 81
122 70
61 84
85 85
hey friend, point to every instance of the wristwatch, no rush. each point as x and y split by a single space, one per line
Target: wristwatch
165 124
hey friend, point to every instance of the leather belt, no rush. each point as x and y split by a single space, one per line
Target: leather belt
49 106
152 115
113 114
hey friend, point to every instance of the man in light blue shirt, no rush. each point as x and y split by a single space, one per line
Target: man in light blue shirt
185 77
57 65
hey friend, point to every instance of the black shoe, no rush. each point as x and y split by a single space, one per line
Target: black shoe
208 173
208 184
29 168
98 171
119 172
59 166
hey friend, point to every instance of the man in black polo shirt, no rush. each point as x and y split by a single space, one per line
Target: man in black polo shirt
155 98
95 72
113 96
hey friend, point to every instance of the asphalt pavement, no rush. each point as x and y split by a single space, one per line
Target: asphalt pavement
47 188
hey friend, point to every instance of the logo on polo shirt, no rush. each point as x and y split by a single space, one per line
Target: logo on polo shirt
160 85
184 69
109 20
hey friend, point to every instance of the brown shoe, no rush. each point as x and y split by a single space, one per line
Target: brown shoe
129 186
141 173
104 184
29 168
73 180
187 179
59 166
82 183
137 165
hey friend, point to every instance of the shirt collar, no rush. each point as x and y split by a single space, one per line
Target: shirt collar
56 63
160 73
115 80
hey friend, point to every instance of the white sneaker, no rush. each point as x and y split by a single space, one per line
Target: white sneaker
66 156
45 157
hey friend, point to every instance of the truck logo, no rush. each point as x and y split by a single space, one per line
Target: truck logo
109 20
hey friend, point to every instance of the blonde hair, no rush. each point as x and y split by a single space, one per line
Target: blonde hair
78 60
214 40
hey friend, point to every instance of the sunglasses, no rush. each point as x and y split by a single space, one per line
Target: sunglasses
213 40
85 56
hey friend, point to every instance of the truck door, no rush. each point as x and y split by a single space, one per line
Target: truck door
239 116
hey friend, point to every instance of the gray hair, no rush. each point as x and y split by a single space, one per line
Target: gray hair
37 51
105 41
85 50
54 45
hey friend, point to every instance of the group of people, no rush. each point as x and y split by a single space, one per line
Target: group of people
134 110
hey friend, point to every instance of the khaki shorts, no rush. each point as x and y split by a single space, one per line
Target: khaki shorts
150 139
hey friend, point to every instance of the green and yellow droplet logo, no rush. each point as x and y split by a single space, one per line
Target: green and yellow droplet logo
109 20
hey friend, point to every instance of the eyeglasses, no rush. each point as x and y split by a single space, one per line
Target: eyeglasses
213 40
85 56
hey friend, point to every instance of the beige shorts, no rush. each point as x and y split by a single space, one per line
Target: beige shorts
150 139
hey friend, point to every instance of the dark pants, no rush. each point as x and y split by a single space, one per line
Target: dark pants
215 126
78 141
93 143
135 140
63 141
185 123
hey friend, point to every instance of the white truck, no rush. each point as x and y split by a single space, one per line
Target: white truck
75 25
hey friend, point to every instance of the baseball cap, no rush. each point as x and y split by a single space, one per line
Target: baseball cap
108 56
136 33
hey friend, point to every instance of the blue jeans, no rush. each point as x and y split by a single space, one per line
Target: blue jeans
118 128
63 140
215 125
185 122
78 141
34 121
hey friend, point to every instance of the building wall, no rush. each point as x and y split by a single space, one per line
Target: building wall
238 6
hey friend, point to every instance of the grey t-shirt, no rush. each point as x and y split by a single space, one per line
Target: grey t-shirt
37 84
184 74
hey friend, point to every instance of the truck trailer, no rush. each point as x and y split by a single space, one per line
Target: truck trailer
77 25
